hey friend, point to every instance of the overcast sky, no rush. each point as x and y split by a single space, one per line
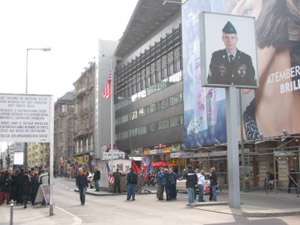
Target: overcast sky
71 28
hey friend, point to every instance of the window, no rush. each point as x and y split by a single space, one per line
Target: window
134 115
63 108
175 99
152 127
70 122
176 121
164 103
70 136
142 130
134 132
142 112
62 137
125 118
152 108
164 124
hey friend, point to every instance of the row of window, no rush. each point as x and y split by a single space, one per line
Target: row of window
156 106
152 89
152 127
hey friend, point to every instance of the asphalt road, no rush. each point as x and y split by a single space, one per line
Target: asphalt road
147 210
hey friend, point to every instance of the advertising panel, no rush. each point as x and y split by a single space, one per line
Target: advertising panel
270 108
228 50
204 108
25 118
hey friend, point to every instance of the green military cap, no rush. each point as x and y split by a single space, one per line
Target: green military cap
229 28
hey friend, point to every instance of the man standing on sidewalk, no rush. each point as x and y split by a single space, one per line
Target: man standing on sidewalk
160 184
191 181
82 184
96 178
132 180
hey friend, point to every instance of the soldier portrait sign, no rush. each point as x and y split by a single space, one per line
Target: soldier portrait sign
228 51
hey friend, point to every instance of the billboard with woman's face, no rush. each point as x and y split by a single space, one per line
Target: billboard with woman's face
270 108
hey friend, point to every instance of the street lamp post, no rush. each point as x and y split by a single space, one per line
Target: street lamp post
27 51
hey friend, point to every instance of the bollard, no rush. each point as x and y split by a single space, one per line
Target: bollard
11 212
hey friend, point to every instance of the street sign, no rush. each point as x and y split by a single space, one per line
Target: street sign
25 118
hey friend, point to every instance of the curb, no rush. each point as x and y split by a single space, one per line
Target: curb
269 213
113 194
210 204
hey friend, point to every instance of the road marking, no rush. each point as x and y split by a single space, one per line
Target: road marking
77 220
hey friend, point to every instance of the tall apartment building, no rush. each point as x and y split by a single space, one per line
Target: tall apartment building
37 155
84 100
64 132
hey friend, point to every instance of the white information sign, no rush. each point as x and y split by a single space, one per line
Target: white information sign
113 155
25 118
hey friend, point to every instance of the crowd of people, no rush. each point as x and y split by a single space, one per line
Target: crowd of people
166 181
21 185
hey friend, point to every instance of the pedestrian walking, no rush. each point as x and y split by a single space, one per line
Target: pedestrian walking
213 184
160 184
26 191
201 185
132 180
97 177
191 181
82 184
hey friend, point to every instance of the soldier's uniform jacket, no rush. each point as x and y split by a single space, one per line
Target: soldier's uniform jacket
239 72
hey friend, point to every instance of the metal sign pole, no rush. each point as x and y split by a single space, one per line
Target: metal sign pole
51 166
232 147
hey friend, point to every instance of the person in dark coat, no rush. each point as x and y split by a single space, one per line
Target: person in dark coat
132 180
19 181
35 186
96 178
117 175
191 181
82 184
26 189
213 185
5 183
173 180
13 186
168 184
160 184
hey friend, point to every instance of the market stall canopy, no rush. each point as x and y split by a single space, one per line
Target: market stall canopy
159 164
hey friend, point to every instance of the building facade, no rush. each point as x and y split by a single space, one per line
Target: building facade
64 132
84 98
148 84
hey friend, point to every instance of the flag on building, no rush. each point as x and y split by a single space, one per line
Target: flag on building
106 93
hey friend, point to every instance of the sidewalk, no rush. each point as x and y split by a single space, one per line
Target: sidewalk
254 203
36 216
